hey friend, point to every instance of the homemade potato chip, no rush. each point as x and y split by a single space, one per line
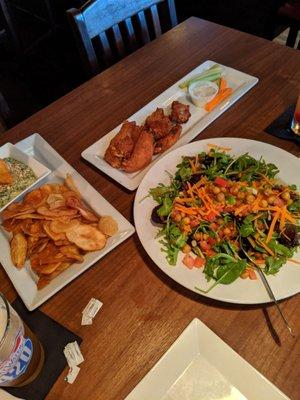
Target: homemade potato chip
108 225
18 250
87 237
63 226
54 228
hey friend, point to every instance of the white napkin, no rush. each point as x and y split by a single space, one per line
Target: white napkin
6 396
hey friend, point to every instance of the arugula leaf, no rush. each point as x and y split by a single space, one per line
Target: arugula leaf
166 207
158 193
173 243
184 171
247 228
228 273
280 249
224 269
273 265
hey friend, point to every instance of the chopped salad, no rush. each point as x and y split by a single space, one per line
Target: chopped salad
228 215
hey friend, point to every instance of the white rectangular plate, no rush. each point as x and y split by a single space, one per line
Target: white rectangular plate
24 280
40 170
222 373
199 120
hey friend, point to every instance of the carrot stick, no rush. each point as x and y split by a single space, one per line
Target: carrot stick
222 95
223 84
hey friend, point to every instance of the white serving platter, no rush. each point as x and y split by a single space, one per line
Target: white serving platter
40 170
284 284
240 82
24 280
201 366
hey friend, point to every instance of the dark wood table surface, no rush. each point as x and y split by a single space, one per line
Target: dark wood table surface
144 311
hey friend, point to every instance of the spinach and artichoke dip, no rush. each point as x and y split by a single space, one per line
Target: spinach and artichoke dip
22 177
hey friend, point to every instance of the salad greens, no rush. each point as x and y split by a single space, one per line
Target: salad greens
227 214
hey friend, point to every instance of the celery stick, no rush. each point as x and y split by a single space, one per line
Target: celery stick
212 77
206 74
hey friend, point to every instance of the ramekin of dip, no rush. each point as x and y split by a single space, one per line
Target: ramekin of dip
202 92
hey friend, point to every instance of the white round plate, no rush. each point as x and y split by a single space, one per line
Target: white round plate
243 291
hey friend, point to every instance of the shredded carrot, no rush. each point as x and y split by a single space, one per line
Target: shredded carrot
272 226
186 210
222 95
192 166
268 250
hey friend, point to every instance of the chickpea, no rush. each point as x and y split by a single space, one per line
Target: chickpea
285 196
216 190
223 189
220 197
186 248
267 192
176 217
234 190
289 202
186 220
250 198
241 195
198 236
271 199
264 203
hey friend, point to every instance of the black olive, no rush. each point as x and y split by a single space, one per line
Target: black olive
290 237
157 219
195 178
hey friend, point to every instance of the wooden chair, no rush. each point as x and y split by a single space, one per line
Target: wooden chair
116 26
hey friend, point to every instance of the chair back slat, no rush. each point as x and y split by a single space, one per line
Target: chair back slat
144 27
118 40
155 20
130 34
172 12
101 15
85 45
107 53
119 24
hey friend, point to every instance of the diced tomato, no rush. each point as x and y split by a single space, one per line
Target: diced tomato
188 261
204 245
210 253
199 262
211 241
221 182
211 216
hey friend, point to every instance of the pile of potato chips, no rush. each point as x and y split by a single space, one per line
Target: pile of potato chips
53 228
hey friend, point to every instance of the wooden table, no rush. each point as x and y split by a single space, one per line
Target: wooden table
144 311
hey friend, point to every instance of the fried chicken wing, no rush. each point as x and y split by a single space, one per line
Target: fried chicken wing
180 112
122 145
166 142
159 123
142 153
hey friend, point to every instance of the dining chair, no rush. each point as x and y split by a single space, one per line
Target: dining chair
289 13
113 28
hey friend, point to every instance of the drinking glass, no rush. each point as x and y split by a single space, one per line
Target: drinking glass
21 353
295 124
